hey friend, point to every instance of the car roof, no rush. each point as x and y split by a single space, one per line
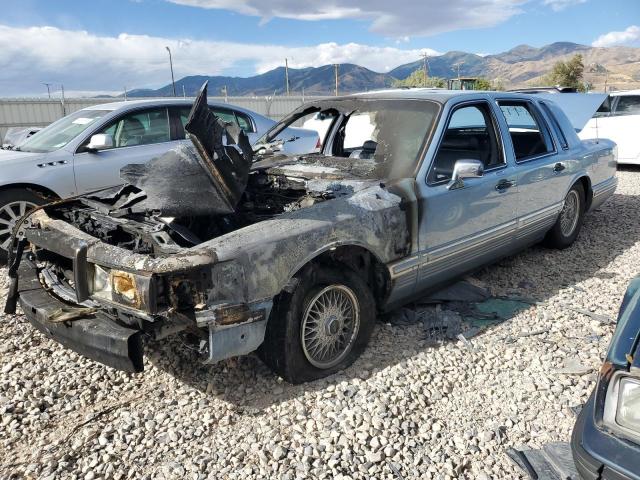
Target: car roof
156 102
625 92
439 95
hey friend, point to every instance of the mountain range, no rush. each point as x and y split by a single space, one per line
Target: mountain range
616 67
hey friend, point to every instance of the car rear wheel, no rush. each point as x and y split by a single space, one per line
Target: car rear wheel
319 328
569 222
14 203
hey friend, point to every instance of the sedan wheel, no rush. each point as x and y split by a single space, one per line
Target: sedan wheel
567 226
330 325
570 213
10 213
321 326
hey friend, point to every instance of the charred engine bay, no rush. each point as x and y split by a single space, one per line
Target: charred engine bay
104 217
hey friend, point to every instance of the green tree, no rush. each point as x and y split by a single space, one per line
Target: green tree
484 84
416 79
567 74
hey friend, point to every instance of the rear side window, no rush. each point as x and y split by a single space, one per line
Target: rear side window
226 115
628 105
556 126
529 134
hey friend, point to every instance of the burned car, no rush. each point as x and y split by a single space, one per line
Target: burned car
293 256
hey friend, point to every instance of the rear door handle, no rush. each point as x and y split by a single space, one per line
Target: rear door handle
504 184
558 167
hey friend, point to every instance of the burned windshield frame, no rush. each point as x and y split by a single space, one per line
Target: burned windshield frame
398 120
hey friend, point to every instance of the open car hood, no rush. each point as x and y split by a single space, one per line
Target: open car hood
578 107
205 178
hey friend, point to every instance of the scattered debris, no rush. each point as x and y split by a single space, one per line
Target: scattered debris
603 319
553 462
574 367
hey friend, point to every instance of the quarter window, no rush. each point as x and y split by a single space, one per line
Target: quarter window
529 134
140 128
470 134
556 126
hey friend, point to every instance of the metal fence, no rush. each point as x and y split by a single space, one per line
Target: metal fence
37 112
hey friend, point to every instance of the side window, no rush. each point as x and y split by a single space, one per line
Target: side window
529 134
628 105
140 128
470 135
225 115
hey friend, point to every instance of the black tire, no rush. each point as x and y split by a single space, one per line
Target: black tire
7 197
283 350
560 236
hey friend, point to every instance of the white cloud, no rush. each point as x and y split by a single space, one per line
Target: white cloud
557 5
395 19
83 61
629 36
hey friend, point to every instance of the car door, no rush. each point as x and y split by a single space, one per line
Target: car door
138 136
462 228
543 172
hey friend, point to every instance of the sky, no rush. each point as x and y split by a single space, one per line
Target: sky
105 46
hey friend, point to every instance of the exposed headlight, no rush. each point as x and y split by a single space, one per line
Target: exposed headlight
622 406
117 286
628 414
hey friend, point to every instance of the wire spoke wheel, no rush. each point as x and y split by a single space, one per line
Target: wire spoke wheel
570 213
10 213
330 325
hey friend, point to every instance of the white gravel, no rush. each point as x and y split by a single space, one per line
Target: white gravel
409 408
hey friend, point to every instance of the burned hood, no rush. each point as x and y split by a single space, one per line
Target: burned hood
206 177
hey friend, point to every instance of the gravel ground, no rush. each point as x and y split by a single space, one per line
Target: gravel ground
410 407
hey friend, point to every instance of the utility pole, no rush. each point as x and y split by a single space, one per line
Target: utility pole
64 110
173 82
125 93
184 93
224 90
424 67
458 65
48 89
286 75
335 68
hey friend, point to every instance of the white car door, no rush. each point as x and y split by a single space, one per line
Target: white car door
138 137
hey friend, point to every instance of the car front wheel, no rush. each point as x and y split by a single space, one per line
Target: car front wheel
321 327
14 203
567 226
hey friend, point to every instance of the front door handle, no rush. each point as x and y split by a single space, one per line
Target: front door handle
558 167
504 184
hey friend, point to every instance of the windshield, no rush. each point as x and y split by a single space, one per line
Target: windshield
59 133
368 137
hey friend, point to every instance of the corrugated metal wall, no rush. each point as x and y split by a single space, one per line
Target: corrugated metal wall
41 112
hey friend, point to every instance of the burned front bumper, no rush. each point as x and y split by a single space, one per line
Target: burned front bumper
185 291
94 334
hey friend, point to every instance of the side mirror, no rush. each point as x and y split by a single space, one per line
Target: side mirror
100 141
465 168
